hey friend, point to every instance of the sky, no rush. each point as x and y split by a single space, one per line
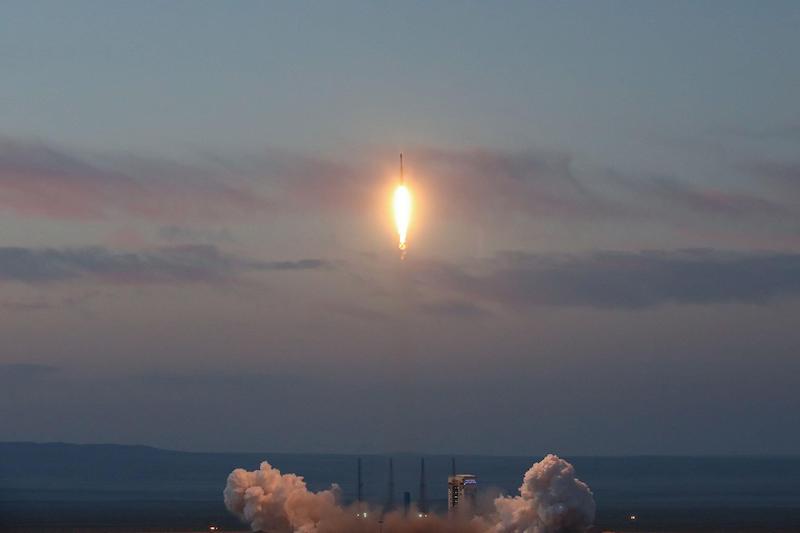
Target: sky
197 249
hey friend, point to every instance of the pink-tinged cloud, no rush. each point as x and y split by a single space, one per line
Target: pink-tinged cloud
39 180
532 183
458 182
311 183
42 181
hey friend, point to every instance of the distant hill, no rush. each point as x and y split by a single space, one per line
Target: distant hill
110 467
57 485
114 471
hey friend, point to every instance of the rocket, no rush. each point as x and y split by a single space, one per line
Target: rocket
402 210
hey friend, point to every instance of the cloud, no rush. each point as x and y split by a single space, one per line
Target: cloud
673 192
454 309
533 182
73 301
302 264
189 235
476 184
456 181
175 264
627 280
219 380
539 183
18 306
24 372
41 180
784 174
787 131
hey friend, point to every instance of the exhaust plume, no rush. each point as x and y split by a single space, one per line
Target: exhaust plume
274 502
550 500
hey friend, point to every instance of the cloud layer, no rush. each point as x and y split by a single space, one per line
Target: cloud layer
175 264
41 180
609 279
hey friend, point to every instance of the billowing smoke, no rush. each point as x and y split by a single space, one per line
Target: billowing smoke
551 500
270 501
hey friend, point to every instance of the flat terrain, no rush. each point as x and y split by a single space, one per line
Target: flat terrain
71 488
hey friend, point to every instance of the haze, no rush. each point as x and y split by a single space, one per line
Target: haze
197 246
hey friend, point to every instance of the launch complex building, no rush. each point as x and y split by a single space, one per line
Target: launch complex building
462 492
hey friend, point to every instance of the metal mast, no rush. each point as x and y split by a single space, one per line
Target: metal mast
360 485
423 496
390 496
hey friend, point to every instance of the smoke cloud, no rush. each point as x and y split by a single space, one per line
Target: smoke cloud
274 502
551 500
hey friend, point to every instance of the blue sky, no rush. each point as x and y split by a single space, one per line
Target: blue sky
197 248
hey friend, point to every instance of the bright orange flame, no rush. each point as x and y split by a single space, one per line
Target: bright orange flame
402 213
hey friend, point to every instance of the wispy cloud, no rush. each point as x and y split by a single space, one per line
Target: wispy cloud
532 182
42 180
462 181
16 373
189 235
176 264
672 193
25 307
610 279
784 174
788 131
454 309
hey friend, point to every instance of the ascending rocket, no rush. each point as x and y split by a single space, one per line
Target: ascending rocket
402 210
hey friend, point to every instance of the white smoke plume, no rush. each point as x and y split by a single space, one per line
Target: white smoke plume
270 501
551 500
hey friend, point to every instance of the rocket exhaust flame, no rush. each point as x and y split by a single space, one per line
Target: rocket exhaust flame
402 204
402 214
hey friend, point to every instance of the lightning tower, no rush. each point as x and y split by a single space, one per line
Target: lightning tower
359 486
390 496
423 496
